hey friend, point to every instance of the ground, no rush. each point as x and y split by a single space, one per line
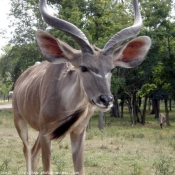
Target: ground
117 150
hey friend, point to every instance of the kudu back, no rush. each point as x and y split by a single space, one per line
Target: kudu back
59 95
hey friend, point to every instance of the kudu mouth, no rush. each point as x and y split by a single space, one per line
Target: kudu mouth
104 102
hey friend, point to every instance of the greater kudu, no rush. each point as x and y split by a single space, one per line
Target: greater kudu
59 98
162 119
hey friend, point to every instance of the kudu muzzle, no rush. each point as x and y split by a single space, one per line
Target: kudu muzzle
106 100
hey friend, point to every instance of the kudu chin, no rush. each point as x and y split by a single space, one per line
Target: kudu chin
59 95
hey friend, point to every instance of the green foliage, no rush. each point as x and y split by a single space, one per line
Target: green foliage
155 12
27 20
59 162
136 169
5 166
117 82
159 94
17 60
164 166
5 84
146 89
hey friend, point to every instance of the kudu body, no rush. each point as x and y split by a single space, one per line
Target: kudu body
162 119
59 98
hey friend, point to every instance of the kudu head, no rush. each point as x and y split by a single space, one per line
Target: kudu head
93 64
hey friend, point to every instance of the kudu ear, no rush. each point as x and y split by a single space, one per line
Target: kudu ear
133 53
56 51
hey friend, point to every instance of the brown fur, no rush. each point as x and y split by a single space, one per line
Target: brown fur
65 126
49 105
59 98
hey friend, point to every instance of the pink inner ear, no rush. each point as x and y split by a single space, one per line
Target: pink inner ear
132 50
50 46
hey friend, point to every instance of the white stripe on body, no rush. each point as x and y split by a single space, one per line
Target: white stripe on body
31 81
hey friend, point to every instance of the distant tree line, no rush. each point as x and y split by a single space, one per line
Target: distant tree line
101 19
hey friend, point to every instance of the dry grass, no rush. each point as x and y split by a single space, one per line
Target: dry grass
118 150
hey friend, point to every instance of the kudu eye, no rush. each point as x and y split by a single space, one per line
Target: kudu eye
84 69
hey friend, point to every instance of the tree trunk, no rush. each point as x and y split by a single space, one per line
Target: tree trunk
100 120
115 109
132 112
139 102
128 102
137 112
89 125
167 113
155 108
135 106
132 118
122 107
170 105
149 105
144 110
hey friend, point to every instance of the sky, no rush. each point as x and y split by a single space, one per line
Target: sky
4 22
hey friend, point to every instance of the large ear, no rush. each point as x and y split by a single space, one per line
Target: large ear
133 53
56 51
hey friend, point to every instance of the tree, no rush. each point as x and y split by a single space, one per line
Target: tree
144 92
100 120
5 85
157 19
99 20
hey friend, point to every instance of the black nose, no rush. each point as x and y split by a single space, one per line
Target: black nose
106 99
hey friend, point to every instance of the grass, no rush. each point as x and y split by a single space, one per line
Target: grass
117 150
